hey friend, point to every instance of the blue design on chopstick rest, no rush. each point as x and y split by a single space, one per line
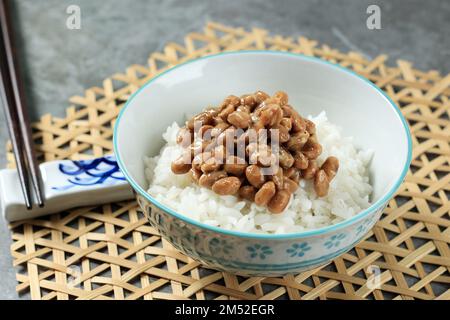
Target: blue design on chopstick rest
104 170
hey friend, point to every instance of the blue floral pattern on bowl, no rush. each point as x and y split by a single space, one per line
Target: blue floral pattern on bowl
298 249
334 241
259 250
220 246
251 256
363 227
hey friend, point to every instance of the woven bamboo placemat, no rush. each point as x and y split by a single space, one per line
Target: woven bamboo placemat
111 252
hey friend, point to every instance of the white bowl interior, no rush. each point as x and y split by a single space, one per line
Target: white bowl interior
313 86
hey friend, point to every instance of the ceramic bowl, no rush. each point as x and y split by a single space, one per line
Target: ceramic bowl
352 102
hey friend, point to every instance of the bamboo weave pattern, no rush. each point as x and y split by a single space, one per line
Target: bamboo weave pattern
111 252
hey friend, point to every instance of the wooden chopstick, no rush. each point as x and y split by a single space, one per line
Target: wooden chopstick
17 114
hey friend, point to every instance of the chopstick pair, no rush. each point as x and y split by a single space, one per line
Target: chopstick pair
16 114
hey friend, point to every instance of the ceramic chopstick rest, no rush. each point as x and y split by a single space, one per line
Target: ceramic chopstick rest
67 184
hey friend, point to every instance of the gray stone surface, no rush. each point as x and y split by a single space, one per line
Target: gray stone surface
59 63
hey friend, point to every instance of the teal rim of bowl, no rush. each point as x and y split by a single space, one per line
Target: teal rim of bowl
315 232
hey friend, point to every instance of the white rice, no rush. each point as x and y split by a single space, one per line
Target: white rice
348 194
